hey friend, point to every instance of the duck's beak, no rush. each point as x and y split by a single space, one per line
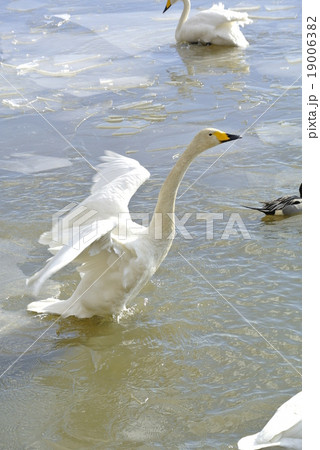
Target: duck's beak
167 6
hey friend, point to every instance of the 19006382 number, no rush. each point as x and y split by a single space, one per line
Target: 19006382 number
311 46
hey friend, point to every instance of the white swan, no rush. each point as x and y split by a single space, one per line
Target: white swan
216 25
284 429
117 255
289 205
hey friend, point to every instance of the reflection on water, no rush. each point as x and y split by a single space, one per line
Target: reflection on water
202 357
212 60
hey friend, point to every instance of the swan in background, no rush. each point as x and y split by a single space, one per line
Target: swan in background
216 25
284 429
289 205
116 256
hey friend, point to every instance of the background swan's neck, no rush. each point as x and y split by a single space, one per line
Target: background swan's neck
184 17
162 223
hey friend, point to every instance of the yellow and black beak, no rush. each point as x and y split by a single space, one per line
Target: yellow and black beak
225 137
233 137
167 6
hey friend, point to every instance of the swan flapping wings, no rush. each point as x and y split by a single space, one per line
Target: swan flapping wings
116 256
87 234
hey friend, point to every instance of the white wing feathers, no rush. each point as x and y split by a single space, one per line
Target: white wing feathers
286 418
116 181
218 15
216 25
68 253
120 174
283 429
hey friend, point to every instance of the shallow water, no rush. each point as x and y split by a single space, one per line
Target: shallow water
212 345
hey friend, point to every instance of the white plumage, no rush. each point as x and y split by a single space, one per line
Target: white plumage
284 429
116 256
216 25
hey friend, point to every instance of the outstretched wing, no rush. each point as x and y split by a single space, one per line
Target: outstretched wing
117 179
125 175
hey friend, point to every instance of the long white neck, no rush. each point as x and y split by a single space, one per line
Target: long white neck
162 223
183 18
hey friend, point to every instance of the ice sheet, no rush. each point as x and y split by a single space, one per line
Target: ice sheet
28 163
25 5
279 133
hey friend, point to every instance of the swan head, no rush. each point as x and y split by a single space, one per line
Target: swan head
210 137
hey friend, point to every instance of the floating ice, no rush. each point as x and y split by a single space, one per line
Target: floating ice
279 8
28 163
25 5
12 278
147 34
123 83
65 18
279 133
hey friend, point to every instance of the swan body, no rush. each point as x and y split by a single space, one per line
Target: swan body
115 256
216 25
289 205
284 429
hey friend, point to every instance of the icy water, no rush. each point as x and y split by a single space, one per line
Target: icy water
212 345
